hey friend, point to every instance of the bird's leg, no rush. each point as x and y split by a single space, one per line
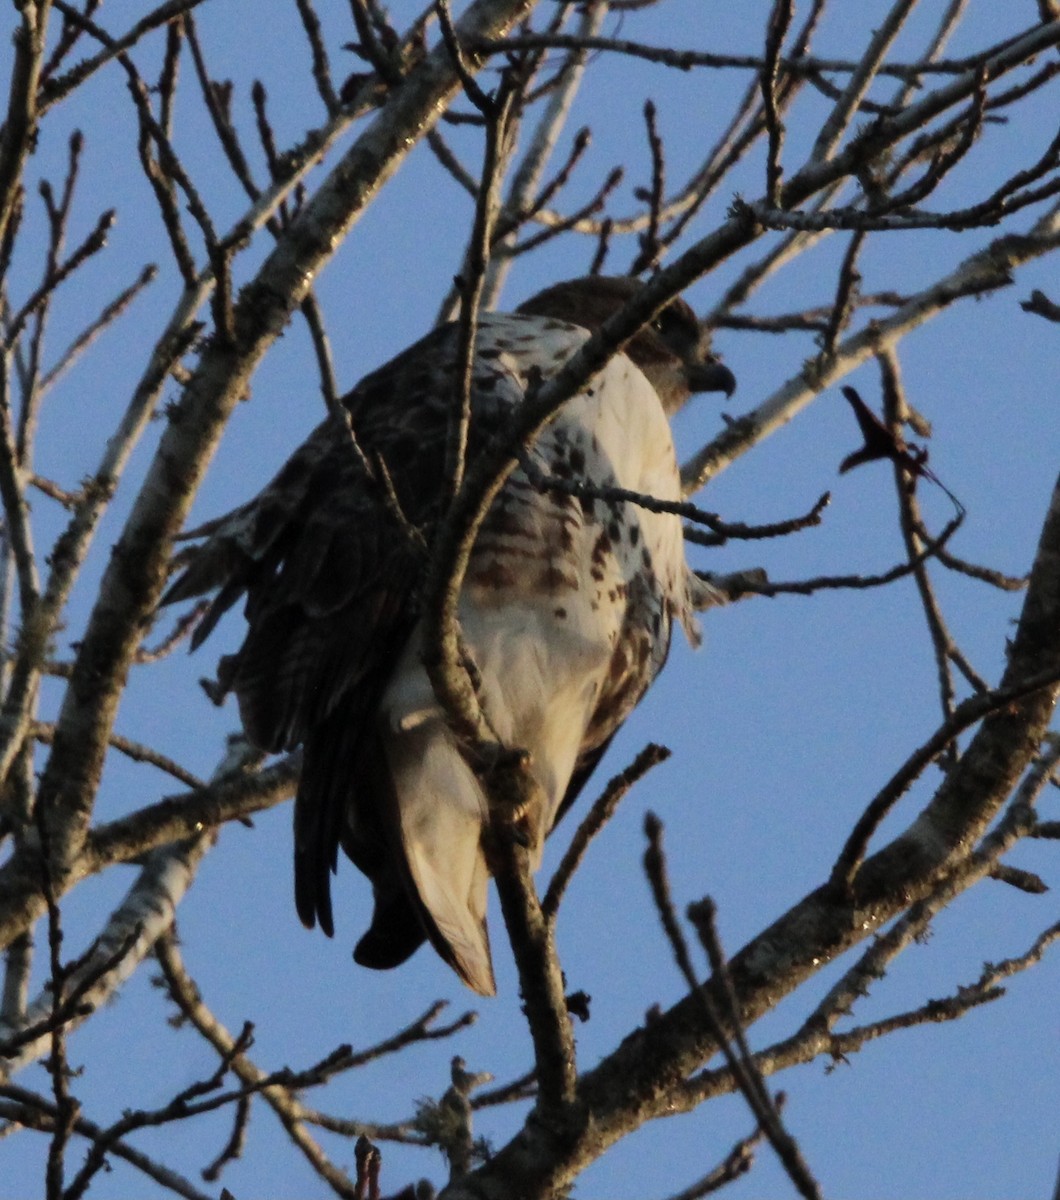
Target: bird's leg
515 795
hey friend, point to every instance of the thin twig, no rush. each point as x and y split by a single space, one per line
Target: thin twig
780 17
651 246
736 1163
44 732
88 335
59 88
321 68
744 1072
23 1107
847 106
593 822
964 715
498 111
17 529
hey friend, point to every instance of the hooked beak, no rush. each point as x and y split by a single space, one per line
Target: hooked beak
712 376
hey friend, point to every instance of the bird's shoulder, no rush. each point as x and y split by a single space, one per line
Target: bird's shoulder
414 392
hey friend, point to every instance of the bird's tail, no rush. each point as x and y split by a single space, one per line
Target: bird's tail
440 815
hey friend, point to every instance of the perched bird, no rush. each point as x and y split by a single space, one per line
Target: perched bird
565 611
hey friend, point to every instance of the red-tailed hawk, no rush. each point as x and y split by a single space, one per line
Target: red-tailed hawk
566 607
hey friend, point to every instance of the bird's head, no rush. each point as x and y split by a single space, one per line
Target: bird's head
672 350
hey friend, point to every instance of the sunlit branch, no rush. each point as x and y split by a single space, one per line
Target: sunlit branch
983 271
846 106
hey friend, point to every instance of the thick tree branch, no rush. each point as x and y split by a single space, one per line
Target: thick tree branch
639 1079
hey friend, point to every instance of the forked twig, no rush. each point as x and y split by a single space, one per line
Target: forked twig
740 1064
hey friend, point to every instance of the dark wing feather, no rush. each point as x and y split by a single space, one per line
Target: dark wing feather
328 575
339 749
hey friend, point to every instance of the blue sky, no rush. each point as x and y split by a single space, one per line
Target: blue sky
783 725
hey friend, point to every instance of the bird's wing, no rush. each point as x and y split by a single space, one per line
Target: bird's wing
328 573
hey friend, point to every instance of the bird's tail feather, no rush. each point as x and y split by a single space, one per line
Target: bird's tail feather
439 817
